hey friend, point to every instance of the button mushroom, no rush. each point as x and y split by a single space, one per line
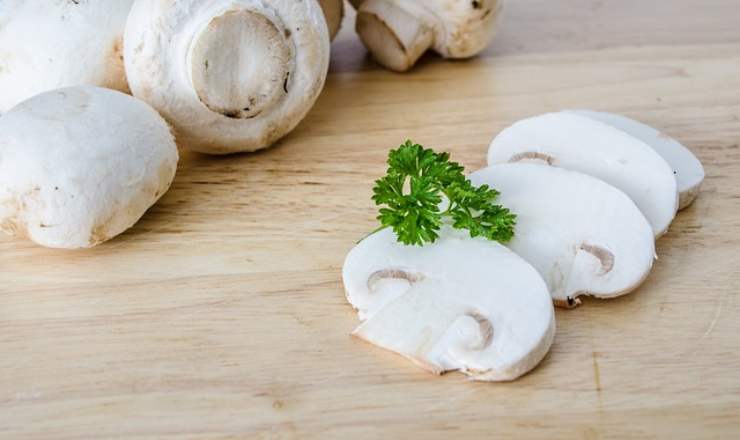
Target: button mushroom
584 236
398 32
334 13
457 304
687 168
582 144
80 165
230 75
46 45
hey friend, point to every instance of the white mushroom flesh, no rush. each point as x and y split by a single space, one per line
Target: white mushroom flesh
584 236
80 165
46 45
230 75
457 304
687 168
583 144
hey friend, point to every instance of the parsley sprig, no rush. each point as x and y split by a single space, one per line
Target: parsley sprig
418 181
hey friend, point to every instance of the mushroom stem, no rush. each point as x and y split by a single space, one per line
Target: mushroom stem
240 63
395 37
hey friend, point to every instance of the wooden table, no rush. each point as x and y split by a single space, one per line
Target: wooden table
222 313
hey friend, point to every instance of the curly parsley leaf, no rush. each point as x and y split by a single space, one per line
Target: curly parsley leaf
418 181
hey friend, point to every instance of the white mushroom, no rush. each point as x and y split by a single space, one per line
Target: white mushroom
458 304
45 45
334 13
398 32
582 144
230 75
585 237
80 165
687 168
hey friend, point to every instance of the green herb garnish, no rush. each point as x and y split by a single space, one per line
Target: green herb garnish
412 192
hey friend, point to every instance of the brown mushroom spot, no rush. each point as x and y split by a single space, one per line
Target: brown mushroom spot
396 274
115 75
532 155
486 330
605 256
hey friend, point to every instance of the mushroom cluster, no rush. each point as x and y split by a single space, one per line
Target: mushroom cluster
81 162
592 192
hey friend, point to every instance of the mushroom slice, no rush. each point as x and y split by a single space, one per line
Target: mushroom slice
687 168
398 32
46 45
457 304
582 144
229 75
584 236
80 165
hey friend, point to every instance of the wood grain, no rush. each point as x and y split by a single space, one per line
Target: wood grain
222 314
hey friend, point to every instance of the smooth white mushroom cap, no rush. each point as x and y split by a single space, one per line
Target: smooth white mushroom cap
687 168
80 165
46 45
458 304
229 75
583 144
584 236
398 32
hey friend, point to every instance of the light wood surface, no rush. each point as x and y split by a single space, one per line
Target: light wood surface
222 313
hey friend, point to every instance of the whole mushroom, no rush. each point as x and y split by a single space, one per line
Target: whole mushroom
80 165
398 32
229 75
46 45
334 13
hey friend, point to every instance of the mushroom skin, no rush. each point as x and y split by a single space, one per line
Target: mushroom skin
399 32
230 75
579 143
81 165
688 169
46 45
459 304
584 236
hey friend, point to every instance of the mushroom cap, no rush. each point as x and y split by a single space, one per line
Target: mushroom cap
584 236
229 75
457 304
46 45
583 144
687 168
80 165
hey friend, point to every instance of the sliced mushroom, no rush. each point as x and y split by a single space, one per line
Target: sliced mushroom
687 168
584 236
80 165
458 304
334 13
583 144
229 75
398 32
45 45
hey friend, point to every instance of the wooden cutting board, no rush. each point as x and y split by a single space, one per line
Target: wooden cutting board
222 313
